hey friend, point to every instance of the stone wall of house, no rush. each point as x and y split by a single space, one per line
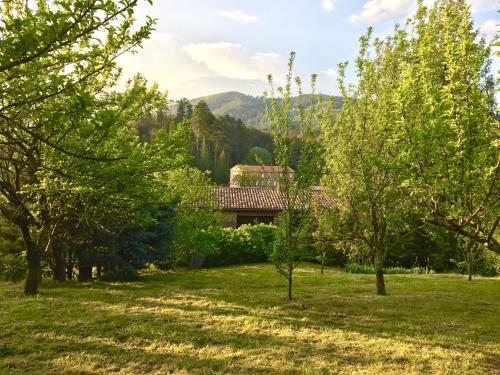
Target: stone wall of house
230 219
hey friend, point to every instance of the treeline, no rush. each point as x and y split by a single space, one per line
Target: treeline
217 144
252 109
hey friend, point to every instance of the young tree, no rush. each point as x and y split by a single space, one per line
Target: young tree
363 170
295 190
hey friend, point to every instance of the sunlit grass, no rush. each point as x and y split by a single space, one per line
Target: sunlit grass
236 320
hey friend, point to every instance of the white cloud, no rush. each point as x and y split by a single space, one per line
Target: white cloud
489 30
237 15
332 73
162 60
201 68
328 5
375 11
233 60
483 5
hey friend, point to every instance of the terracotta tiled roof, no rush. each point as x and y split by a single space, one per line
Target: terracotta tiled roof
261 168
260 198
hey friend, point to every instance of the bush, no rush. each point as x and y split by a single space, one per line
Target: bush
369 269
12 254
13 267
246 244
487 264
358 268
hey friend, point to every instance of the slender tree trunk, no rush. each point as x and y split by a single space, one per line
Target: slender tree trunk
323 256
59 261
379 270
69 265
290 276
470 257
33 274
379 227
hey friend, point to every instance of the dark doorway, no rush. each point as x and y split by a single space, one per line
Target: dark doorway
241 220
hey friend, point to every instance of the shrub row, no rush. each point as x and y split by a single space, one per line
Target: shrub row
488 264
369 269
246 244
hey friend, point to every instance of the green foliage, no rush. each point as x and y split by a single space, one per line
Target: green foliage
252 110
13 266
296 217
486 264
447 122
489 264
197 215
363 170
184 110
221 142
245 244
259 156
218 142
140 245
432 247
12 255
416 143
73 150
368 269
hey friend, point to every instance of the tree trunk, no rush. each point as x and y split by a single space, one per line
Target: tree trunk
69 265
470 256
98 271
84 268
323 256
379 270
59 261
33 257
290 275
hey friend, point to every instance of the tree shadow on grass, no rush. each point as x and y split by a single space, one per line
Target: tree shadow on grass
186 313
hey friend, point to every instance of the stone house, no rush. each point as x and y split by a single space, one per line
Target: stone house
248 205
256 175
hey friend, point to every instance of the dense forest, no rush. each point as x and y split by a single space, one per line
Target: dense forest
218 142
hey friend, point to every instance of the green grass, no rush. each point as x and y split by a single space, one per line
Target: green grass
236 320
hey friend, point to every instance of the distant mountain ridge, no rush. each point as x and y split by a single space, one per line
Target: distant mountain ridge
249 109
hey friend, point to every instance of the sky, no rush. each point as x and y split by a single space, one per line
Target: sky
203 47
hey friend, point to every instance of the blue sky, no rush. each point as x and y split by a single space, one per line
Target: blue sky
202 47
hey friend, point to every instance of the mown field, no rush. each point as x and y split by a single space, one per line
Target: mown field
236 321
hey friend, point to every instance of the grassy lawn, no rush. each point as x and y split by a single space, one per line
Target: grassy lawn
235 320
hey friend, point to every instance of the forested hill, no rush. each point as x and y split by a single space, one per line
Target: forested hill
249 109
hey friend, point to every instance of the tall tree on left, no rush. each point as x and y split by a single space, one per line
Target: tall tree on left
57 70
